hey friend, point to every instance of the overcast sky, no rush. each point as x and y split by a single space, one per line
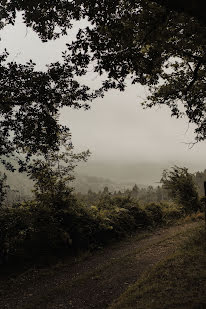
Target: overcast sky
116 129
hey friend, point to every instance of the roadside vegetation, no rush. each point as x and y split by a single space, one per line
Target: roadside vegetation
58 221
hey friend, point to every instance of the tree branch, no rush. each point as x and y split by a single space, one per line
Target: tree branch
195 76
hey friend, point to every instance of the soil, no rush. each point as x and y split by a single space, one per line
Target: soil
94 280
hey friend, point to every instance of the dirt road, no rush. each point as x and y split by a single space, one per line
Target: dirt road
96 280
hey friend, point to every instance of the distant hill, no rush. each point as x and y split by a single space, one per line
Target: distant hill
83 183
96 176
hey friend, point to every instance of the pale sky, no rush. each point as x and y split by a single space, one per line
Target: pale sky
116 129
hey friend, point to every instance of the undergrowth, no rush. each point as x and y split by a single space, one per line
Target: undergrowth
32 230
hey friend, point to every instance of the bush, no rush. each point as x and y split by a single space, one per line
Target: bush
171 212
15 225
163 213
32 230
154 213
121 215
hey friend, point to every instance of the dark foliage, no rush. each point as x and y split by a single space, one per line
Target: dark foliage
182 188
32 230
3 188
145 41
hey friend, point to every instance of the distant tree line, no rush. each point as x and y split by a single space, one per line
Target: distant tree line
143 195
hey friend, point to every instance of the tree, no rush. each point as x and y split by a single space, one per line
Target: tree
180 184
53 175
3 188
105 191
159 194
153 46
135 191
144 40
29 107
194 8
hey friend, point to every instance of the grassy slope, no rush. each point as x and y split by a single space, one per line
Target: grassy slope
179 282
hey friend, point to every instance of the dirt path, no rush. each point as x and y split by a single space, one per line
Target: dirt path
94 282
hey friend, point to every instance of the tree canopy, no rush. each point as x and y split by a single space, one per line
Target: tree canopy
143 41
195 8
180 184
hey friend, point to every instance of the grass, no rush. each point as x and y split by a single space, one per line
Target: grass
178 282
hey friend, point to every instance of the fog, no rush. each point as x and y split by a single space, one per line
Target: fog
127 143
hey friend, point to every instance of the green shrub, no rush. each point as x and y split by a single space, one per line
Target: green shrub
15 225
122 215
33 229
154 213
172 212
